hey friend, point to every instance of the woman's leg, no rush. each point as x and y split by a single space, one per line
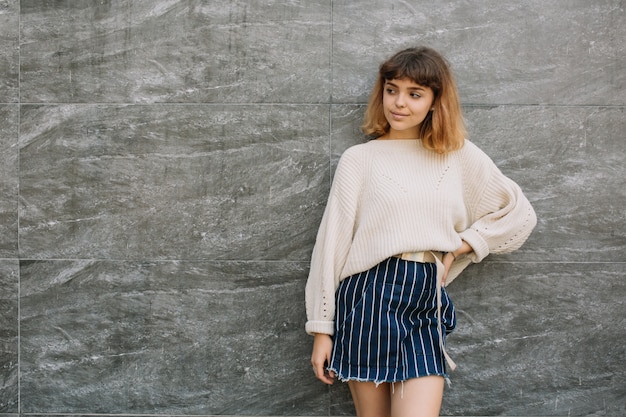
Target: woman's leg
418 397
370 400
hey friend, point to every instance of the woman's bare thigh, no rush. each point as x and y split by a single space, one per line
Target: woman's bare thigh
418 397
371 400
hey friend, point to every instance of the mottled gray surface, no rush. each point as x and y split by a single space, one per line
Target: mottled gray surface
176 51
9 271
164 165
539 338
8 180
172 181
504 52
174 337
9 51
570 163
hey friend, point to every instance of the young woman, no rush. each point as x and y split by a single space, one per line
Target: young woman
407 212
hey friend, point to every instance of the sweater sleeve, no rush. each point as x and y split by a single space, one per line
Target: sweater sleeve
503 218
331 248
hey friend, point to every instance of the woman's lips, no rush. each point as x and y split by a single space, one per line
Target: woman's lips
398 115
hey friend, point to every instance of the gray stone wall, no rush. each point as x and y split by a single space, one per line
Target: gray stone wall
165 163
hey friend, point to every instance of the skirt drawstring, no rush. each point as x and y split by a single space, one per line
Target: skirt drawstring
440 270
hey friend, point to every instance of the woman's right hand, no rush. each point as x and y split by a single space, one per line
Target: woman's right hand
320 358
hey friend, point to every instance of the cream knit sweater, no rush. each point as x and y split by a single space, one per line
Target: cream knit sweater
395 196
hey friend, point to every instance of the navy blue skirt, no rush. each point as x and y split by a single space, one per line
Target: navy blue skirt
386 327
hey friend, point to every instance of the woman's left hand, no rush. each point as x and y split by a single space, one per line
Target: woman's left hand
450 257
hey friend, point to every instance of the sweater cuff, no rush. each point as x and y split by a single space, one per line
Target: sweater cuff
478 244
324 327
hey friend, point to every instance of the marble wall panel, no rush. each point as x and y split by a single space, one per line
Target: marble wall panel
9 51
9 116
172 181
341 403
503 52
167 337
175 51
9 364
570 163
539 339
568 160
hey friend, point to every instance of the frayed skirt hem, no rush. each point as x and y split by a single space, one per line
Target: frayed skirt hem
377 382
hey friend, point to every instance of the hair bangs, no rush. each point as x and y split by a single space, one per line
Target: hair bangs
418 71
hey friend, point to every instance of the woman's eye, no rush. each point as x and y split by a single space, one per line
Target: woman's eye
390 91
415 95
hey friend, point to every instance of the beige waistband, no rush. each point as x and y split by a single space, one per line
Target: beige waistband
419 256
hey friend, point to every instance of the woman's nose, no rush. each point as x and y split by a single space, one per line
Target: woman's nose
400 102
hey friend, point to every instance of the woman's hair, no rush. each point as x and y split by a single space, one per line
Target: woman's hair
443 129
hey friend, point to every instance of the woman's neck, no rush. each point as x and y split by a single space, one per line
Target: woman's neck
408 134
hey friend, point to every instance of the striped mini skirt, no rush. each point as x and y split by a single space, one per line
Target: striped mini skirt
386 325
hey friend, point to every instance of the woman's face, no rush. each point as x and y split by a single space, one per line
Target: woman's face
406 105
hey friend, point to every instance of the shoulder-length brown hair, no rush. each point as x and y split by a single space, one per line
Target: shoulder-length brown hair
443 129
